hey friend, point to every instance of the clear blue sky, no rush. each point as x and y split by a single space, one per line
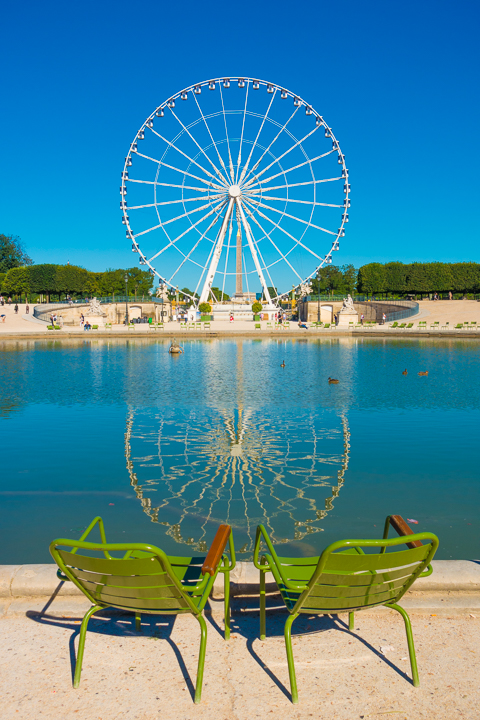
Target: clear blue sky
398 82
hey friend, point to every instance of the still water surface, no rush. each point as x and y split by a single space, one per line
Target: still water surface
165 447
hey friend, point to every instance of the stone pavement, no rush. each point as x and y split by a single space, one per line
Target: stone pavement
151 674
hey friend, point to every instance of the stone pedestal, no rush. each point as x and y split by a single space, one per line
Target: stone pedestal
96 320
344 319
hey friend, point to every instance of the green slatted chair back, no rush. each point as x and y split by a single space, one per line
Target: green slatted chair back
347 578
145 584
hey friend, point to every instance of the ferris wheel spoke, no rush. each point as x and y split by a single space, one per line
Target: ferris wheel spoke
253 251
187 157
187 257
242 176
174 202
186 214
220 176
252 217
261 256
271 144
295 240
226 134
211 136
172 242
293 217
303 202
182 172
291 185
277 160
212 269
154 182
227 253
296 167
239 159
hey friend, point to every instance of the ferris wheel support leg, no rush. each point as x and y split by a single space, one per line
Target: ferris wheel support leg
216 255
253 250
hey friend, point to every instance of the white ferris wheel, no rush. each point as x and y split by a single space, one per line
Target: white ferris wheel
234 186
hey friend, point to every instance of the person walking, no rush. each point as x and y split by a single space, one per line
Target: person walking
384 317
362 318
27 309
9 300
16 308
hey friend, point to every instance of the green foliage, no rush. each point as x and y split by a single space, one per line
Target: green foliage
335 280
273 292
419 278
16 282
205 308
43 278
256 307
73 280
12 254
221 297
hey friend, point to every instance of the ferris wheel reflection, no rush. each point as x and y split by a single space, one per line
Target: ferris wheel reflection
237 468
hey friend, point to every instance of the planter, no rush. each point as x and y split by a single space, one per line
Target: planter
257 318
206 318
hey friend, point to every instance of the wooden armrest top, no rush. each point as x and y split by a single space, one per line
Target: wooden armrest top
217 547
402 528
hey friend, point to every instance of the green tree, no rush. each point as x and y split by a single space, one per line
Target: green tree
465 277
43 279
257 307
371 279
273 292
417 279
16 282
12 254
221 297
205 308
395 277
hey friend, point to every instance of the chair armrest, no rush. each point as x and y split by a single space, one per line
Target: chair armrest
402 528
217 547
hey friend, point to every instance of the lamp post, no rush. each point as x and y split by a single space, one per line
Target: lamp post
126 300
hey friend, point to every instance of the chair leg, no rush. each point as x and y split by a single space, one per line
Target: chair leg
138 622
411 646
201 657
291 666
226 595
81 644
263 620
351 621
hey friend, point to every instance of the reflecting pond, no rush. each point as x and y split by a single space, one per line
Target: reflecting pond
166 447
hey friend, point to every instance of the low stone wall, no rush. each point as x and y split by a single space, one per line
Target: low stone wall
115 312
17 581
372 310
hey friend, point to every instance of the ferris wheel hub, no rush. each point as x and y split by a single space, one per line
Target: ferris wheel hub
234 191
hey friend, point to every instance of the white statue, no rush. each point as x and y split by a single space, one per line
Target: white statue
348 307
95 308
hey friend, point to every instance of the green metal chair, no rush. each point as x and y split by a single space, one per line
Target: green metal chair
258 326
144 580
345 579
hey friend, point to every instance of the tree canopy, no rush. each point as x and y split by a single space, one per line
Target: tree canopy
12 254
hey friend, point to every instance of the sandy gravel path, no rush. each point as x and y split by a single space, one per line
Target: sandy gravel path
341 675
